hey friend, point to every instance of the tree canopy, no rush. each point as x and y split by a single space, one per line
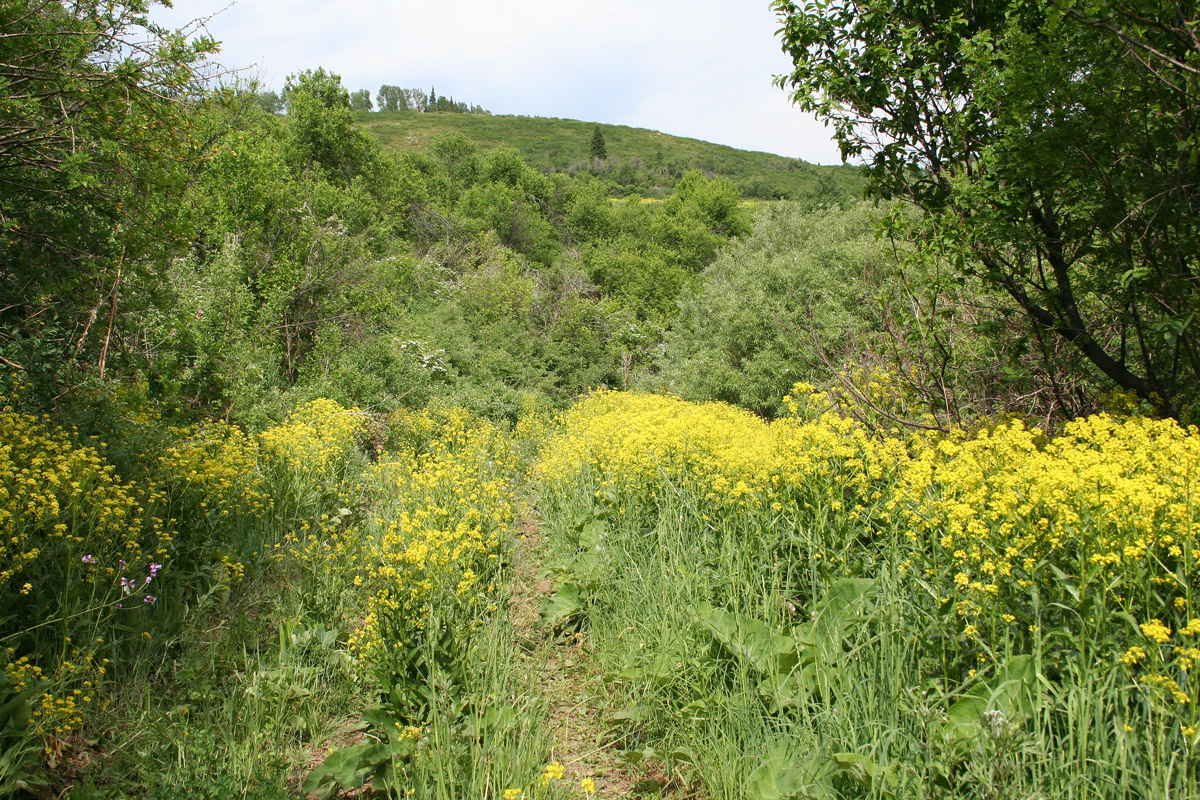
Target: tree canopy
1053 148
93 131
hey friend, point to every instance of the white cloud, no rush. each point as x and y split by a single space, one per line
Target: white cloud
700 69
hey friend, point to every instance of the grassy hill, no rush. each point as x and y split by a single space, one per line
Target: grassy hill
639 160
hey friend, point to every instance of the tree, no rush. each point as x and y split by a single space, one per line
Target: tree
391 98
597 147
416 99
1054 155
322 128
360 100
95 131
269 102
459 156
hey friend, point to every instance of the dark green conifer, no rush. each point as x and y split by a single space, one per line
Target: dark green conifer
598 148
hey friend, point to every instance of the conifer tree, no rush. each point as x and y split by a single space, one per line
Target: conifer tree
598 148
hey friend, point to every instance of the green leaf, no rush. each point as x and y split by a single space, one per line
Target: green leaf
347 768
562 606
750 640
781 778
492 719
791 689
634 757
864 771
635 714
836 609
592 534
1008 694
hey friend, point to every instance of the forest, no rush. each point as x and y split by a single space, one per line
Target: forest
387 447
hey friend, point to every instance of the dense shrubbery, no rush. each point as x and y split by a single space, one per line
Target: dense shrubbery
819 294
381 281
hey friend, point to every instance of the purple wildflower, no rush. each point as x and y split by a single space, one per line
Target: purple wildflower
88 559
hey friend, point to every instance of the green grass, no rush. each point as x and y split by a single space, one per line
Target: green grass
560 145
734 650
805 653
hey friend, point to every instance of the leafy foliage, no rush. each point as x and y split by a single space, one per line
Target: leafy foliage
94 130
803 609
1052 159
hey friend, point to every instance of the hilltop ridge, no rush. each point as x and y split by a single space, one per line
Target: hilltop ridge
639 160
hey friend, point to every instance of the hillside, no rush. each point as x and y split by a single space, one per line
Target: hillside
642 160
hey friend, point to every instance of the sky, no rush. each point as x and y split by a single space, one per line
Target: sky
700 68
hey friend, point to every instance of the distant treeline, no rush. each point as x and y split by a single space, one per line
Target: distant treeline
388 98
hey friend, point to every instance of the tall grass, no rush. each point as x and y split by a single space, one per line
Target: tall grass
793 609
802 610
260 615
153 632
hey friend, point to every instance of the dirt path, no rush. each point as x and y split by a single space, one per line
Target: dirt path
580 739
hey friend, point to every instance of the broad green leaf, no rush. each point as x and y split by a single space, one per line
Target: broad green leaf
1007 694
750 640
562 606
836 609
782 778
347 768
863 770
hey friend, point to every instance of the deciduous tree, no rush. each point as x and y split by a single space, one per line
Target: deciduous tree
1053 148
360 100
391 98
322 126
94 132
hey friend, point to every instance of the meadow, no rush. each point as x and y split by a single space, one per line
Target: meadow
787 609
315 478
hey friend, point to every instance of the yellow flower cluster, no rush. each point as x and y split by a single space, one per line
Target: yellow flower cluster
213 468
1125 481
62 694
1155 630
635 447
59 502
441 516
315 439
1107 509
1011 528
553 772
70 530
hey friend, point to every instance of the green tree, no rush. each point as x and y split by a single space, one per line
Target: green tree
416 99
391 98
801 290
1055 156
269 102
459 156
360 100
324 136
597 148
95 139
